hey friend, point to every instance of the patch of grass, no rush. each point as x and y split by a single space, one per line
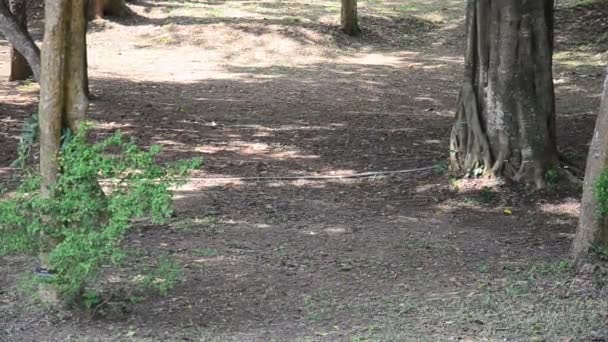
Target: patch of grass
486 195
515 289
558 269
414 245
319 305
281 251
161 277
371 335
483 268
207 224
27 288
205 252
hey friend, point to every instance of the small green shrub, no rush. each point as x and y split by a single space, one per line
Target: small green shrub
601 193
487 195
161 277
552 177
561 268
80 226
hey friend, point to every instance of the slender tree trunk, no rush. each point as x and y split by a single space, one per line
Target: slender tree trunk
505 120
63 102
18 37
593 229
349 20
98 9
20 70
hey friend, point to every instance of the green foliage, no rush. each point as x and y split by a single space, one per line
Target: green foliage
91 299
29 134
80 225
601 193
558 269
487 195
600 251
442 166
552 177
162 277
483 268
206 252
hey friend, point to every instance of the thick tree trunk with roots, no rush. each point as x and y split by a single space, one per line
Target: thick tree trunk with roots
505 121
20 70
63 102
18 37
593 229
98 9
349 20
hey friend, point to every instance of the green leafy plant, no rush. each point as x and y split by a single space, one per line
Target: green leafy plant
29 134
161 277
600 250
101 188
601 193
91 299
442 166
557 269
486 195
552 177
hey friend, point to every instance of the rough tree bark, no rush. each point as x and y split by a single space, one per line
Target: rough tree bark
18 37
20 70
505 120
593 229
98 9
349 20
63 102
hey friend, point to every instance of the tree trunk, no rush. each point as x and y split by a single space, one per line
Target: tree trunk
593 229
349 21
505 120
20 70
63 102
18 37
98 9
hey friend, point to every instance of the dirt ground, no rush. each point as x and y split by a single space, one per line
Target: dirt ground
272 88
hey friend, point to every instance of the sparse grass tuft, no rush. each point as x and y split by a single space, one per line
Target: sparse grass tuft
205 252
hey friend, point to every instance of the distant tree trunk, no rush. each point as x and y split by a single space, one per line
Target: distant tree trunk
505 120
20 70
98 9
349 20
593 229
18 37
63 103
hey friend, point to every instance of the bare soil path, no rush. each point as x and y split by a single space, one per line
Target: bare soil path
271 88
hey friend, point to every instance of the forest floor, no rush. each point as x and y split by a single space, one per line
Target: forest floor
272 88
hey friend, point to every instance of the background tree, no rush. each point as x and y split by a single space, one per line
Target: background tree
18 37
505 121
98 9
63 101
349 20
20 70
593 222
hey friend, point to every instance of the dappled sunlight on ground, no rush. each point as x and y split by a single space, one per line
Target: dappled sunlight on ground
569 207
294 226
